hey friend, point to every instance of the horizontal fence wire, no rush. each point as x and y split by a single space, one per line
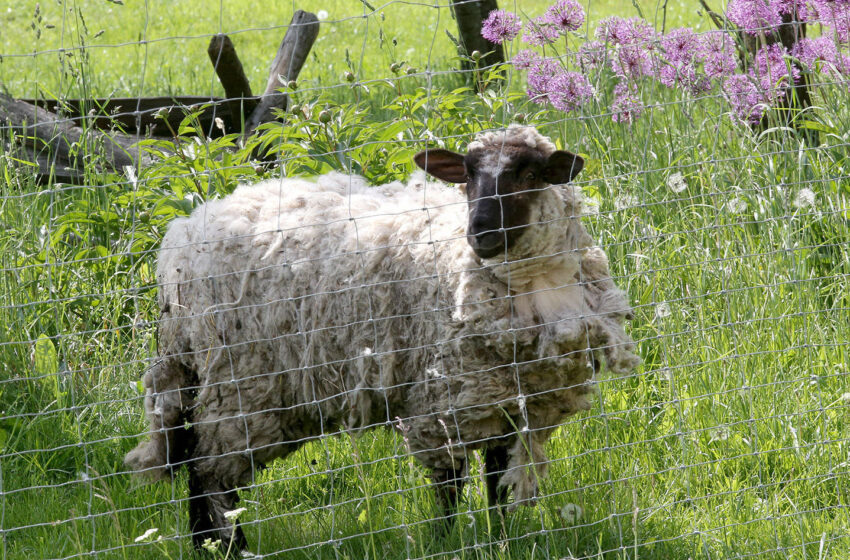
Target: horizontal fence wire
295 344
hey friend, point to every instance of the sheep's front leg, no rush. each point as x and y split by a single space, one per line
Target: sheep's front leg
448 485
207 506
495 465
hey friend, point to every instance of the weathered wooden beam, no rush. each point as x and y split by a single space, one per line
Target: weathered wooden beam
140 115
54 141
287 64
228 67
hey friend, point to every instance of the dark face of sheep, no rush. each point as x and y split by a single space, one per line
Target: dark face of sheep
501 186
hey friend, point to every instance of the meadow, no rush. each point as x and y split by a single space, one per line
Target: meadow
732 440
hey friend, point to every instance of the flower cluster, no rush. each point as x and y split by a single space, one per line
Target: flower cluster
501 26
550 81
630 53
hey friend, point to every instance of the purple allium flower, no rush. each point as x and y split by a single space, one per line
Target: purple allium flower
592 55
501 26
540 76
524 59
631 62
681 49
566 15
812 51
836 15
797 8
685 76
771 68
621 31
569 90
540 31
744 97
626 107
754 16
681 45
718 54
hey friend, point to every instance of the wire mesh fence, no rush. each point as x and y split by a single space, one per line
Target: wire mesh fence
321 351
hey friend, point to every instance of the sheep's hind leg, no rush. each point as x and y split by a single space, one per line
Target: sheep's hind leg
207 506
448 485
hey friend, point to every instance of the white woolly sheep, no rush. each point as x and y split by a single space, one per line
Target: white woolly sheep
292 309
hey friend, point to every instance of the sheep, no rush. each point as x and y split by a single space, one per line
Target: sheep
292 309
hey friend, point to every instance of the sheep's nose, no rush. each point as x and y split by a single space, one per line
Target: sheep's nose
487 244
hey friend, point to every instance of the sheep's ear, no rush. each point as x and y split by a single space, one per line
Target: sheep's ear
562 167
442 164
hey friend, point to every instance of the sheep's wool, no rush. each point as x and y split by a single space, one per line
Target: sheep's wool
292 309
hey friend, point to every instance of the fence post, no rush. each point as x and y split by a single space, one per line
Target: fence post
469 15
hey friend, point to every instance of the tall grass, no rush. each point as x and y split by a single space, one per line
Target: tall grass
731 441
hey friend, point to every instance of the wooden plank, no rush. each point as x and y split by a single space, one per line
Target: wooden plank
54 141
287 64
138 115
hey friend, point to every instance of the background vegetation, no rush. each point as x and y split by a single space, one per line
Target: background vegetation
731 441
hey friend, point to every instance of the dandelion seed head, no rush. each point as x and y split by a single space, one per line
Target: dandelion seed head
625 201
736 205
663 310
676 182
722 433
322 15
571 513
805 198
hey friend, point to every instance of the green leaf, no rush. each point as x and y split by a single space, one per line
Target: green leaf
45 359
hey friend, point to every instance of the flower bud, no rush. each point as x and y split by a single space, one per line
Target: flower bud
325 117
349 76
475 55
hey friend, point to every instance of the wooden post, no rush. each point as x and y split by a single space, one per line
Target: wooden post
470 14
230 73
789 32
293 51
228 67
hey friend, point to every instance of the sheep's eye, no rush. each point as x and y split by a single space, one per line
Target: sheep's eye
530 176
470 172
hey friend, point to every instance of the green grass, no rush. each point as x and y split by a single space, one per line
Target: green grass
731 441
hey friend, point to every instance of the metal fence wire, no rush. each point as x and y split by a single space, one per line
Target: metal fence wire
324 365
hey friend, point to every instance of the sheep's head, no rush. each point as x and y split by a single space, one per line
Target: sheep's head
504 172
